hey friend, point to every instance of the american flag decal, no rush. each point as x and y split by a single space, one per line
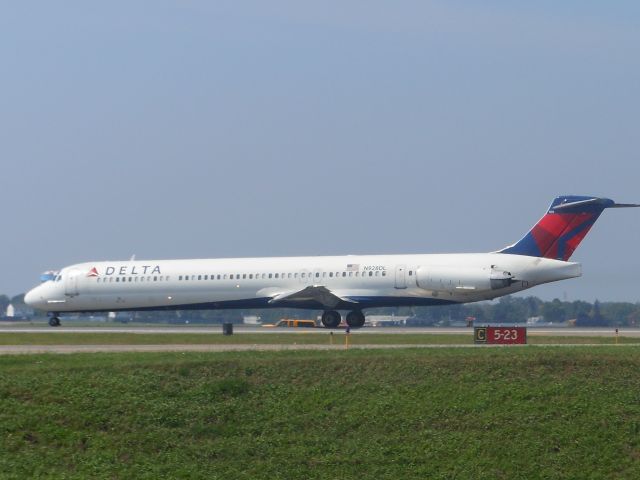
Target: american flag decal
353 267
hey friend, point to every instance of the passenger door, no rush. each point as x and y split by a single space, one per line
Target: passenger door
71 283
401 276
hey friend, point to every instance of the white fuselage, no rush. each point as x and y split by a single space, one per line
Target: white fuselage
359 281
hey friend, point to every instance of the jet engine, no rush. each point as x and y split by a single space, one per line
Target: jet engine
442 278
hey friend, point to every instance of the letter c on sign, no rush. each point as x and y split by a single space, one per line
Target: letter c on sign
481 334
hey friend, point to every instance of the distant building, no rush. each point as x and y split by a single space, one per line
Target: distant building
535 320
252 320
17 313
386 320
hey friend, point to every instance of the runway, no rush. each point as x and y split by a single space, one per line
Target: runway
241 329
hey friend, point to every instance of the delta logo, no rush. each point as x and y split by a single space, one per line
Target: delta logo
127 270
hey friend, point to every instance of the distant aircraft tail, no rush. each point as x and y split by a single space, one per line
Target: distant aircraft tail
561 230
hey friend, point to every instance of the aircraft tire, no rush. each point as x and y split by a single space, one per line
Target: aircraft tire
54 321
355 319
331 319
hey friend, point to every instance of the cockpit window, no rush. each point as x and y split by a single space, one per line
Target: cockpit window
49 275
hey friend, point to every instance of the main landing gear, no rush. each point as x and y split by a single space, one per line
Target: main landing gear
54 321
355 319
331 319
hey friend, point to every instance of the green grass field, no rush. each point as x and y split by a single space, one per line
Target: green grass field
525 413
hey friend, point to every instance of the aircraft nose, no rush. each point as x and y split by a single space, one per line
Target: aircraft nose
33 298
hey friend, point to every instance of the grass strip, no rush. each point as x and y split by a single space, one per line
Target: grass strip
446 413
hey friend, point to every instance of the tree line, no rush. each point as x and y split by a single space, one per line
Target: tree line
521 309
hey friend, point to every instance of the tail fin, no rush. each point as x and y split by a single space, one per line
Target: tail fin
561 230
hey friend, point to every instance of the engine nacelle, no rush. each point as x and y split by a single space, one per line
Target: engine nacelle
461 279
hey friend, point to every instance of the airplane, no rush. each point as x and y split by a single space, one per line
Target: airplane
328 283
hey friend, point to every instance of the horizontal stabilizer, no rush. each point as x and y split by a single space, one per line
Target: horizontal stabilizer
625 205
566 223
581 205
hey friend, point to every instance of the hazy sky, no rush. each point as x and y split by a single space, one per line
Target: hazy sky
178 129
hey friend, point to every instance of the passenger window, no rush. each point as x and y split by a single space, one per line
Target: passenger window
331 274
206 277
180 277
344 274
410 272
155 279
264 275
377 273
199 277
225 276
295 275
276 275
351 274
303 275
317 274
270 275
370 273
357 274
384 274
250 276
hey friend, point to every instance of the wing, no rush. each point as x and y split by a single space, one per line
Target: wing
311 294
